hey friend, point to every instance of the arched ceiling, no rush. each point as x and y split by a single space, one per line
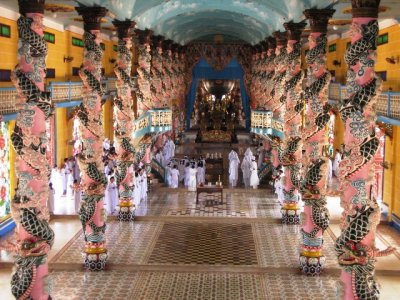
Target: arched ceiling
184 21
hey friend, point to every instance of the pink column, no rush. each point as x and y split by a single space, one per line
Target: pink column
143 93
30 141
313 190
123 116
355 246
270 67
92 213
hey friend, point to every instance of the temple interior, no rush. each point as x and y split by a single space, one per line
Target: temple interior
174 149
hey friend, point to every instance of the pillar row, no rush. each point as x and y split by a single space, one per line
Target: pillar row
355 247
93 182
124 117
30 140
313 187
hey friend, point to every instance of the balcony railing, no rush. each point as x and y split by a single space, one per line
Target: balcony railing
152 121
59 91
262 122
387 104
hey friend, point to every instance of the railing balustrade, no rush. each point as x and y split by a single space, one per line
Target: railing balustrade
59 91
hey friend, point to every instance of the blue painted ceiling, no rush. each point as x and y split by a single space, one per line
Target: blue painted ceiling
184 21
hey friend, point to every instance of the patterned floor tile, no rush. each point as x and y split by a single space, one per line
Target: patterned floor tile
278 245
295 286
205 244
126 243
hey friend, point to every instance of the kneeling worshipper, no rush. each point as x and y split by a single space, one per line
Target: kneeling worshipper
233 168
192 178
174 177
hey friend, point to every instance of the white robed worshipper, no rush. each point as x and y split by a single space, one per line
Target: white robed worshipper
192 178
329 169
106 144
171 147
64 175
246 167
174 177
50 200
158 157
201 158
112 194
260 153
76 171
278 185
335 166
138 189
181 168
143 195
254 180
187 175
56 181
233 168
168 174
200 173
77 195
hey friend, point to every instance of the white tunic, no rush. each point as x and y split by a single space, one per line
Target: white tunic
233 167
335 166
174 178
192 179
254 180
200 175
112 192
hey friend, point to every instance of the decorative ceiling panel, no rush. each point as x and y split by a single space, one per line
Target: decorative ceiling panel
184 21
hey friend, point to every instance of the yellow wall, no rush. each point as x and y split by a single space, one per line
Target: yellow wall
338 133
391 188
108 120
57 51
11 157
62 135
9 48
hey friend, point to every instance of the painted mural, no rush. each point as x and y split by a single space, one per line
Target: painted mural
4 171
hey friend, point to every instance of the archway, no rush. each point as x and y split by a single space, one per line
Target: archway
203 70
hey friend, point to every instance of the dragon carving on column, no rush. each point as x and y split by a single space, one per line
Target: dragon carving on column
123 116
355 246
93 181
33 235
270 71
290 153
144 72
313 185
156 73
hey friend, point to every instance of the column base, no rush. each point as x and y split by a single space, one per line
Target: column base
126 214
311 266
290 216
95 261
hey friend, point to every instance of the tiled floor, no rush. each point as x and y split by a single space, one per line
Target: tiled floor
179 250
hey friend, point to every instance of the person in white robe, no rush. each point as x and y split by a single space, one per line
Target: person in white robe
138 191
246 170
56 181
278 185
192 178
171 148
233 168
329 169
158 157
181 169
254 180
64 175
335 166
143 195
112 190
77 195
174 177
50 200
200 173
76 171
187 175
106 145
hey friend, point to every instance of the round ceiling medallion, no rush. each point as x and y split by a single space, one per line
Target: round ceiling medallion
58 7
348 10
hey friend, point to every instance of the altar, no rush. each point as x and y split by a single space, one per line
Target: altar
218 136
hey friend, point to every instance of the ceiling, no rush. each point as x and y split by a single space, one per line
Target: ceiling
183 21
